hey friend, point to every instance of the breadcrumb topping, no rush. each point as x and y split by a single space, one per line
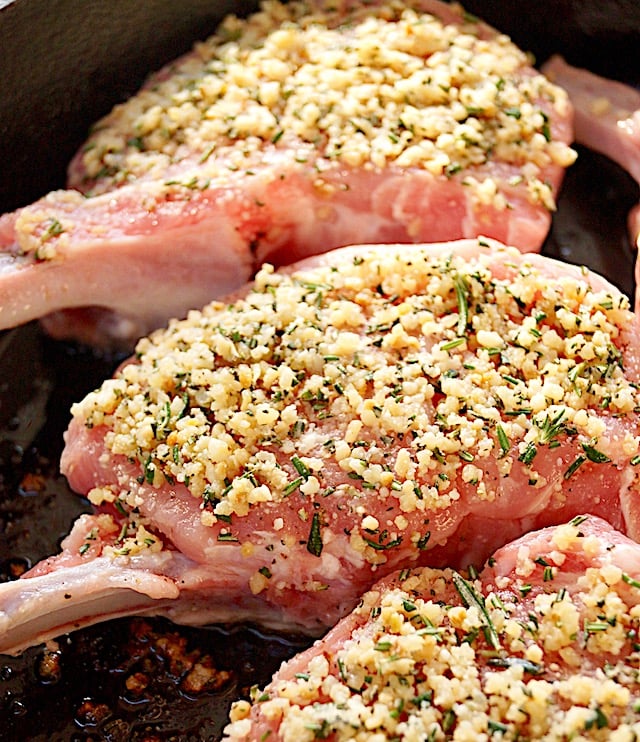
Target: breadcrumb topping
340 84
440 656
405 375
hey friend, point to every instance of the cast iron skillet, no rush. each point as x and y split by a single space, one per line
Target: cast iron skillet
64 63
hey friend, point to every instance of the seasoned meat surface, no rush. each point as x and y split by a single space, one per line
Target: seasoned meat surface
607 120
607 112
420 125
542 645
373 408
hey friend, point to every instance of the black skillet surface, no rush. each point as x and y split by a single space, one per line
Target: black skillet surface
62 64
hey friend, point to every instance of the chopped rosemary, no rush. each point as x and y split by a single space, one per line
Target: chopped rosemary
511 379
594 455
383 646
551 428
630 581
529 454
149 471
462 291
497 726
341 668
503 440
226 537
598 720
383 547
578 520
573 467
455 343
300 467
314 542
54 228
293 486
470 598
593 627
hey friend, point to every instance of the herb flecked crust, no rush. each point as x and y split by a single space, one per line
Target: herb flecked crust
538 655
397 378
340 84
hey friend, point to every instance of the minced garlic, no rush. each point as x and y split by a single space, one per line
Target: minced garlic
337 84
114 538
262 399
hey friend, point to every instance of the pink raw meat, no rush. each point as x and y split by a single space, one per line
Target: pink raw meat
542 645
194 221
607 120
374 408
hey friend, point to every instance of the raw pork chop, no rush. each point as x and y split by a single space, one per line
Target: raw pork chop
607 120
306 127
543 645
379 407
